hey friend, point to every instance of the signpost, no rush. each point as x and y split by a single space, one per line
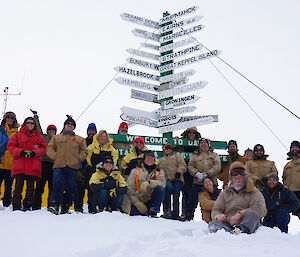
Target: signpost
168 120
179 24
176 45
177 111
144 96
176 76
138 20
139 120
150 46
137 73
149 65
146 34
150 115
190 99
143 54
178 14
136 84
180 53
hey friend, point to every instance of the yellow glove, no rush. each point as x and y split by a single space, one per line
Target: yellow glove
113 193
145 187
142 208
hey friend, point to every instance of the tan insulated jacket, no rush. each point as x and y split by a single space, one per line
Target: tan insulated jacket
291 175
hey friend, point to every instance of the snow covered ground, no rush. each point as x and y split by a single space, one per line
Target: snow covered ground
40 233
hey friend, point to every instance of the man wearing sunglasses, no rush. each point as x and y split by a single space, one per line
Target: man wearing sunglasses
239 207
67 150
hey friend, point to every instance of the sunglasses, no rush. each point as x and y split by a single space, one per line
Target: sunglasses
138 142
29 122
70 123
236 172
191 132
10 117
110 162
168 148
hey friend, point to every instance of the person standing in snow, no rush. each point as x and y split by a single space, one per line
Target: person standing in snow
107 186
280 203
67 150
291 172
174 167
11 126
239 207
47 165
146 187
259 168
27 147
202 164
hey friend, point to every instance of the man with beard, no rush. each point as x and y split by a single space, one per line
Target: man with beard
259 168
232 157
291 171
239 208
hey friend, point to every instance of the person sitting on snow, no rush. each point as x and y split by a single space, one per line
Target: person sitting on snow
240 206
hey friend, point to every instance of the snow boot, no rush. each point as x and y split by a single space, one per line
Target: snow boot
166 215
65 209
189 215
53 207
27 205
237 229
6 202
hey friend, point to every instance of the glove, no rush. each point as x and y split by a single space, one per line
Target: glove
31 154
109 183
142 208
200 176
113 193
145 187
80 177
34 112
23 154
177 175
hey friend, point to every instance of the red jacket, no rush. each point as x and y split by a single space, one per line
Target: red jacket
24 140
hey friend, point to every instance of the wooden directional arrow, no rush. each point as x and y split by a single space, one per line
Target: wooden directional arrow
181 101
168 120
180 53
176 45
149 65
176 76
150 115
139 120
179 24
144 96
150 46
138 20
169 112
178 14
136 84
143 54
181 89
137 73
181 33
146 34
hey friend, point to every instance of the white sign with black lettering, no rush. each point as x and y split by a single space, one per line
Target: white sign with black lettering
176 76
164 121
136 84
143 54
174 83
150 115
180 110
179 24
139 120
144 96
146 34
137 73
181 33
180 53
141 21
181 89
176 45
150 46
185 100
178 14
189 118
149 65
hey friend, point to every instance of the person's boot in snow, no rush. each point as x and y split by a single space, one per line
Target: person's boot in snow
65 209
53 207
237 229
6 202
27 205
166 215
189 215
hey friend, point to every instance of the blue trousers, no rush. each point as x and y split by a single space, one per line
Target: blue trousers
186 189
104 200
280 219
172 188
64 180
193 197
153 204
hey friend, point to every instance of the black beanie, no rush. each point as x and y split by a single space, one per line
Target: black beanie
274 176
259 147
295 143
148 152
70 119
232 142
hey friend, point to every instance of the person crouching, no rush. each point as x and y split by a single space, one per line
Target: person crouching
107 186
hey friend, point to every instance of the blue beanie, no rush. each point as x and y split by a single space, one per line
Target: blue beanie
92 126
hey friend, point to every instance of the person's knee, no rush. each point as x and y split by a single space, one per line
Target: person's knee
252 214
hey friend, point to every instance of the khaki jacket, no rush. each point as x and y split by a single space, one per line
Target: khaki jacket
67 150
207 162
144 175
206 204
230 202
224 174
172 164
291 175
257 169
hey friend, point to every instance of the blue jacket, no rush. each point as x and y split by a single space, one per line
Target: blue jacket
282 198
3 141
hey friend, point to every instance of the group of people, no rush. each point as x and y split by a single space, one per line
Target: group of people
139 183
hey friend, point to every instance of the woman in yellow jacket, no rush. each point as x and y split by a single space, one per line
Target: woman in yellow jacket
10 125
107 186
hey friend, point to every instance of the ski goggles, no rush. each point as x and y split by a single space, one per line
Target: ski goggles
236 172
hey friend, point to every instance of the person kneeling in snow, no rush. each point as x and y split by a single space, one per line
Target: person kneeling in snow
240 206
107 186
280 202
146 187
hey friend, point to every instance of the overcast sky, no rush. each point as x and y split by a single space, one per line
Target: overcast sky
68 51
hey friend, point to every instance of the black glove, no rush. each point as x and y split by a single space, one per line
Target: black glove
80 177
34 112
109 183
23 154
177 175
31 154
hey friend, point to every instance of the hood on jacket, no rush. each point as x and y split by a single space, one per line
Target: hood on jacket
10 114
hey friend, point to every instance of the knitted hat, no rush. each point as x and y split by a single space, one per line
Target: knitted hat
51 126
258 147
185 133
232 142
148 152
29 119
204 139
274 176
295 143
168 146
108 157
139 139
70 119
123 124
91 127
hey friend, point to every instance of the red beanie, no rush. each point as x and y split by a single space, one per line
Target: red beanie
139 139
51 126
123 124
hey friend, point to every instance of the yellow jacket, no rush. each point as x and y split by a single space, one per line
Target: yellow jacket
7 158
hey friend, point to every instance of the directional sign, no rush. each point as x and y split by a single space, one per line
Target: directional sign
137 73
176 44
181 33
139 120
138 20
174 83
181 89
144 96
149 65
186 124
175 76
185 109
215 118
190 99
150 115
143 54
136 84
180 53
168 120
150 46
146 34
130 124
178 14
190 60
179 24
